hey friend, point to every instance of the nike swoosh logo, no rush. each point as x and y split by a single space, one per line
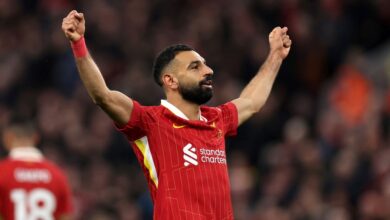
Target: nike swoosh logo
177 126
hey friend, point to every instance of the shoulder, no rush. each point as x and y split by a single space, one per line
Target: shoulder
53 168
210 113
228 108
5 164
51 165
151 111
6 170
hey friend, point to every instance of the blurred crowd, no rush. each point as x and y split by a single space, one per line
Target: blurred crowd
319 149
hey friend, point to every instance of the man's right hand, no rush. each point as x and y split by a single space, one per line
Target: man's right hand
73 25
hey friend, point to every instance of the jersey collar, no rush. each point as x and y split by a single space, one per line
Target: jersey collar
177 111
26 153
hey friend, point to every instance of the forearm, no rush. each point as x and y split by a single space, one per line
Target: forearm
116 104
92 79
257 91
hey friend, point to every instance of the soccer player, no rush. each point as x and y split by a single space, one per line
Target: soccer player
31 187
180 144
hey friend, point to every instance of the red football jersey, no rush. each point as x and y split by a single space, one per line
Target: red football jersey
32 188
184 160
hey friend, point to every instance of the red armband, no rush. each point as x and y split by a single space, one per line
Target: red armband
79 48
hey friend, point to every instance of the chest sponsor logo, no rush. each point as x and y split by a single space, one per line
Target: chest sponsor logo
213 156
189 155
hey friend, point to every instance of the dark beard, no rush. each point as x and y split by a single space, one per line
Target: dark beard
196 94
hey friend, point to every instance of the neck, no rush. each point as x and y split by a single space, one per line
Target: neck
191 110
19 143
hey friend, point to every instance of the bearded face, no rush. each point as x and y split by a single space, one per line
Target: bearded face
198 92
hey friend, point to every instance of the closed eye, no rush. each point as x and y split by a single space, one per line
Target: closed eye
194 65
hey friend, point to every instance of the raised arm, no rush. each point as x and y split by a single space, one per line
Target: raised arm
255 94
117 105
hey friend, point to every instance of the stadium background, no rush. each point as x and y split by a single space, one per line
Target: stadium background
319 149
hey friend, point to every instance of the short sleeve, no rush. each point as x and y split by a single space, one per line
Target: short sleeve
135 128
229 118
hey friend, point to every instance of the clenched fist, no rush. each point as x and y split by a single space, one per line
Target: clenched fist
73 25
280 42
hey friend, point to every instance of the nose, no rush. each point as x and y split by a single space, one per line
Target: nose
208 70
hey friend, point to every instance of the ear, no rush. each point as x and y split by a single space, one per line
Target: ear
170 81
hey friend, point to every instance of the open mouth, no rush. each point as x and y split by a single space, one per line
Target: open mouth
207 84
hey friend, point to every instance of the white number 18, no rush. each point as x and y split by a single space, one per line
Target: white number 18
36 204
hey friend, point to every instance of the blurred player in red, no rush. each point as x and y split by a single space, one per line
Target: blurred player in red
31 187
180 143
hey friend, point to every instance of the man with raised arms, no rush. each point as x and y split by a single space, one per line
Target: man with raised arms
169 139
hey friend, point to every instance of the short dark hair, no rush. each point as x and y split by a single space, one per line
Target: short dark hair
22 129
165 57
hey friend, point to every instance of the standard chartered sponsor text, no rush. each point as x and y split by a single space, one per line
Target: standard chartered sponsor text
212 156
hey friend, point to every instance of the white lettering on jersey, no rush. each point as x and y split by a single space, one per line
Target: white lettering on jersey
36 204
213 156
32 175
